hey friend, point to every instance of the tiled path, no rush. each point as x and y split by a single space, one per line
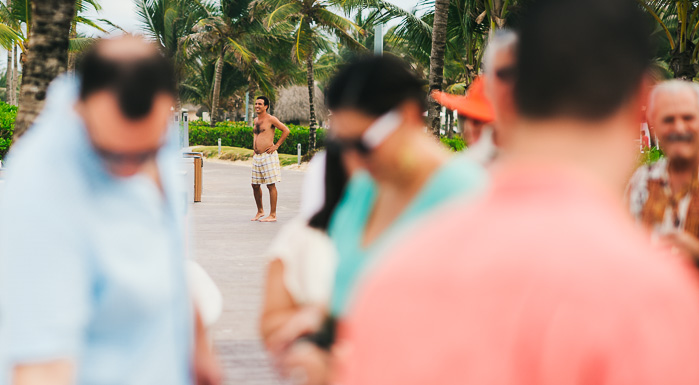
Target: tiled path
229 247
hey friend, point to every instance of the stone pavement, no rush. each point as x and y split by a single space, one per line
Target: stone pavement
230 248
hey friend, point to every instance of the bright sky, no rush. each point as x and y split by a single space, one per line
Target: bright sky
123 13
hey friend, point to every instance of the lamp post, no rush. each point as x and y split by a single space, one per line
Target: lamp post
378 40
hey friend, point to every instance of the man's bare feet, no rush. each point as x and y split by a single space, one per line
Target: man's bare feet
270 218
258 216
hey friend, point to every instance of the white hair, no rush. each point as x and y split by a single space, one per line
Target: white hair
501 39
671 86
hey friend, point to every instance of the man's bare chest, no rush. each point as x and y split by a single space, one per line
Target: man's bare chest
263 129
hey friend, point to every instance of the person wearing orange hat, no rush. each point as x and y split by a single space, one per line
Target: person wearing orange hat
476 114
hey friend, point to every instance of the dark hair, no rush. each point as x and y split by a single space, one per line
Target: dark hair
264 99
135 82
335 181
580 59
375 85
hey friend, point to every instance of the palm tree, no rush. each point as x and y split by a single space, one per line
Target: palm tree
439 40
225 34
49 41
198 85
79 42
168 22
679 24
312 20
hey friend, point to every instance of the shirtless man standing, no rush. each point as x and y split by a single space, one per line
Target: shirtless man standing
265 161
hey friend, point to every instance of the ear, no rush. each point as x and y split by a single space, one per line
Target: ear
412 113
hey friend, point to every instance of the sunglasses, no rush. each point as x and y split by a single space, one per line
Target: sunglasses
374 136
506 74
119 158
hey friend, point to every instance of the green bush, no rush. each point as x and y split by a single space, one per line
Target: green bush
8 114
455 144
650 155
238 134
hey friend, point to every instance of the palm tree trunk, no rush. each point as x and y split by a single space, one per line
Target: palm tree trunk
15 76
450 124
47 57
9 77
72 55
218 74
252 87
312 110
439 38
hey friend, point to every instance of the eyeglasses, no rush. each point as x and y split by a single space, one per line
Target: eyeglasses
120 158
374 136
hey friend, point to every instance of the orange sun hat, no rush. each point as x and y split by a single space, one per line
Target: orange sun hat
473 105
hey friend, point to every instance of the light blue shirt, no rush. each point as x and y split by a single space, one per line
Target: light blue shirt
92 267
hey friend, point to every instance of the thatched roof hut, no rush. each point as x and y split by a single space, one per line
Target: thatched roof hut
292 105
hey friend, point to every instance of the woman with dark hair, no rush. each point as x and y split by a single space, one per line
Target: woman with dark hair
303 261
378 105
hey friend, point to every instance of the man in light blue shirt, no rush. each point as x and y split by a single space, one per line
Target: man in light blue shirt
92 280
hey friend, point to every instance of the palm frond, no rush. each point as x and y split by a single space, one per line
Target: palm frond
80 44
283 13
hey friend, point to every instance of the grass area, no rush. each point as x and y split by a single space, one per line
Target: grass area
237 153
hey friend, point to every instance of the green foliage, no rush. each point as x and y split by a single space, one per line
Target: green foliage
238 134
455 144
235 153
650 155
7 126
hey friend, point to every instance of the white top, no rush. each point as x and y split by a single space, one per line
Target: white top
309 258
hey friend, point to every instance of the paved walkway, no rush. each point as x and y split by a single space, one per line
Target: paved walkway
229 247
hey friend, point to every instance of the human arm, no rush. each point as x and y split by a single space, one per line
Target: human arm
207 369
45 281
282 319
285 133
58 372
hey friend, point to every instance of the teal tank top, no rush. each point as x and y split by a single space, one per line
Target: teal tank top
457 178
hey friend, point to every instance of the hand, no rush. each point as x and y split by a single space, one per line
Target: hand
307 320
306 364
683 243
272 149
207 369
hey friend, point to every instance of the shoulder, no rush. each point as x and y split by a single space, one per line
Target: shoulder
456 177
459 166
275 121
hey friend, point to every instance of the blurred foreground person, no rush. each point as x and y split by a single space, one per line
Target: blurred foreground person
665 196
378 105
404 174
546 281
92 265
300 275
476 116
499 65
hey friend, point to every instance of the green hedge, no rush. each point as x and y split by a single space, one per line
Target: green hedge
455 144
237 134
8 114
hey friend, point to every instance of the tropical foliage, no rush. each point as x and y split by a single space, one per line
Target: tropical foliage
229 51
8 114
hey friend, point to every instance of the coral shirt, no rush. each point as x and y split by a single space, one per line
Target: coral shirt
545 281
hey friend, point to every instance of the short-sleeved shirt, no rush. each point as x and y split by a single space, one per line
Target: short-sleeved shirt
543 281
457 178
92 267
